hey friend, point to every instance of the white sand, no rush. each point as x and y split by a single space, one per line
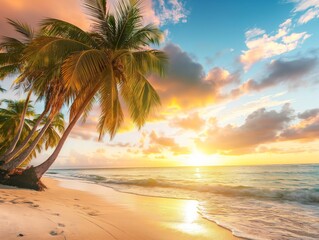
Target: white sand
93 212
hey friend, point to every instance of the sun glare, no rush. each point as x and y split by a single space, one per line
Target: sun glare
197 158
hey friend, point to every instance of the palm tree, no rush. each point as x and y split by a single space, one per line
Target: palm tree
55 97
45 83
11 63
50 138
10 121
111 62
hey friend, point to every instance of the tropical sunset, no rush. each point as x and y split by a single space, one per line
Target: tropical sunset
159 119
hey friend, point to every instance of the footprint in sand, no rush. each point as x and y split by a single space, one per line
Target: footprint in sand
56 232
16 200
93 213
61 225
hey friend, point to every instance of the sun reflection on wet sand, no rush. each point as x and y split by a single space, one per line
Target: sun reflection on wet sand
190 218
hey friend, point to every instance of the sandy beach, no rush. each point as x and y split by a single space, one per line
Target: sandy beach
76 210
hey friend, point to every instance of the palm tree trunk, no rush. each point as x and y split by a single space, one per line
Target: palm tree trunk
7 157
42 168
23 156
20 127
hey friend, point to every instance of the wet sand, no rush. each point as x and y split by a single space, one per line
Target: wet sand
71 209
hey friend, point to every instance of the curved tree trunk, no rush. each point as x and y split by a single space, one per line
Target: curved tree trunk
23 156
20 127
7 157
42 168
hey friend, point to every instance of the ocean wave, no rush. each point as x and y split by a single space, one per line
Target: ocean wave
298 195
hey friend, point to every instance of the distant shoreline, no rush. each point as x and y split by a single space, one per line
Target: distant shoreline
256 165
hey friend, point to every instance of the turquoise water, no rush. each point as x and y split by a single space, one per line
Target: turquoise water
255 202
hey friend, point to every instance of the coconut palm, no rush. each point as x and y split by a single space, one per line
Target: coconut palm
54 99
50 138
108 64
11 63
10 121
44 83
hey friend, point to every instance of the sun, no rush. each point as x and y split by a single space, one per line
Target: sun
197 158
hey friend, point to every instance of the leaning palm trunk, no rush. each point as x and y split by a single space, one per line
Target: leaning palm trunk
30 178
11 165
7 157
42 168
20 127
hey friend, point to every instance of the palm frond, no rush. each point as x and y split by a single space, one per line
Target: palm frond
24 29
59 28
11 44
50 51
128 19
96 10
111 112
140 97
83 67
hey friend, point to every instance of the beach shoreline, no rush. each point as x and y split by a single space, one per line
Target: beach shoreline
71 209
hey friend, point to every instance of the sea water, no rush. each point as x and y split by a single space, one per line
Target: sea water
254 202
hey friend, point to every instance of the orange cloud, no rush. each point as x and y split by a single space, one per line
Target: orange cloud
306 130
191 122
186 85
260 127
158 144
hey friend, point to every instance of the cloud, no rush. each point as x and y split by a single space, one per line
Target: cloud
87 130
171 11
309 114
292 72
254 32
262 46
305 130
260 127
158 144
192 122
186 85
309 9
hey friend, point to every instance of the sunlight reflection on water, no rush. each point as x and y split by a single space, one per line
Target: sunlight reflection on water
190 218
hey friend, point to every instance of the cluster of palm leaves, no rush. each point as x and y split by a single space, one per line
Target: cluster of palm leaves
63 65
9 123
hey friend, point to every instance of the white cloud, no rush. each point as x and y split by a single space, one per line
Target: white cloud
173 11
262 45
302 5
255 32
309 15
309 8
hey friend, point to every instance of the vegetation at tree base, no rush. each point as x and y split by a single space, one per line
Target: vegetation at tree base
63 65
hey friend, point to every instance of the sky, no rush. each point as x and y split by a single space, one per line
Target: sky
241 87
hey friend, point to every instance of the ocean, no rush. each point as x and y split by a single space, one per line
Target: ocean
254 202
